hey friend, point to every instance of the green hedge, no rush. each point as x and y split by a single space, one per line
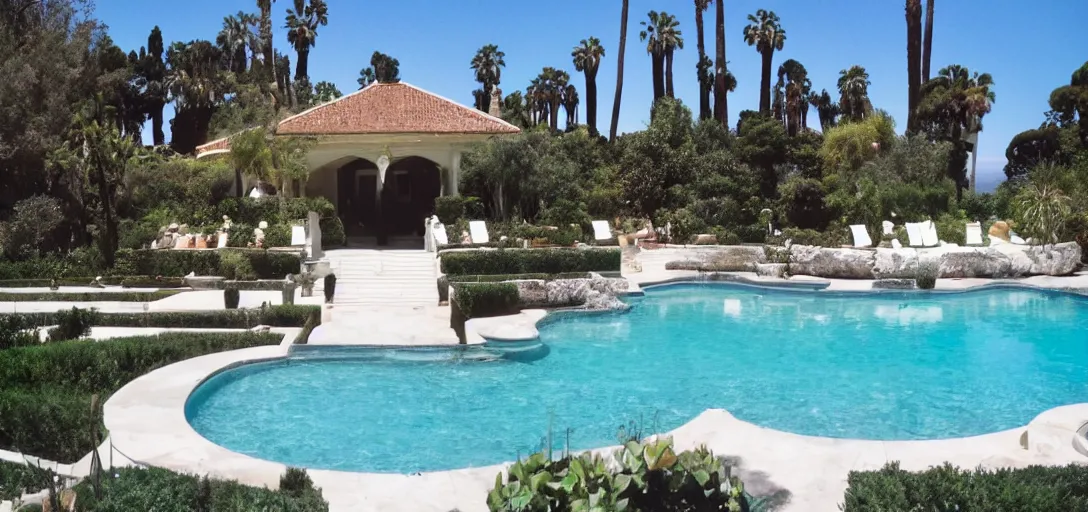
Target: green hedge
495 278
478 300
287 315
45 390
123 281
265 264
132 489
1030 489
59 296
530 261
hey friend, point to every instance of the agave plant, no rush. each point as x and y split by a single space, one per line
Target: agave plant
1044 210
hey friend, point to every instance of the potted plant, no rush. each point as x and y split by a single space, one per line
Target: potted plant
231 296
306 280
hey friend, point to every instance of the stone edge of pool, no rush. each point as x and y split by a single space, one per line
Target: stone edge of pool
147 423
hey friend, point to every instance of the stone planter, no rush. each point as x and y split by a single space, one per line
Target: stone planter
308 290
771 269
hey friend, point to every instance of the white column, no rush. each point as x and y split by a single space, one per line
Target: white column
455 174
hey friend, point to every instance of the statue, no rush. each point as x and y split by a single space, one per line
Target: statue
258 234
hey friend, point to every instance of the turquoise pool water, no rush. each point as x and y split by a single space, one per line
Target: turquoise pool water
880 366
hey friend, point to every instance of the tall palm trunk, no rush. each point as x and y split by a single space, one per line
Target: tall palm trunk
591 100
668 74
765 83
721 102
914 64
927 44
657 63
301 67
619 73
157 135
704 88
553 110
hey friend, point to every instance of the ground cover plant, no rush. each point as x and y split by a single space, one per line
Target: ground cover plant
46 390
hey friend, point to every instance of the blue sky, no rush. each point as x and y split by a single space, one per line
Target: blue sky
1029 52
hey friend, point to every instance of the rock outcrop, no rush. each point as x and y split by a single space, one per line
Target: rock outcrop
833 263
728 258
593 293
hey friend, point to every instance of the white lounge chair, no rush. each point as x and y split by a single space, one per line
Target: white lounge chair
929 234
601 230
974 233
298 235
914 234
440 235
861 236
477 229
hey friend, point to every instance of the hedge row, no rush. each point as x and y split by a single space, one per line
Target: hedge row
1030 489
46 390
287 315
495 278
479 300
88 296
123 281
264 264
159 489
530 261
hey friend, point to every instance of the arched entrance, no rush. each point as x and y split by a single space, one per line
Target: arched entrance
411 186
357 196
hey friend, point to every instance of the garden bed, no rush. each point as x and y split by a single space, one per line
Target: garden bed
46 390
273 316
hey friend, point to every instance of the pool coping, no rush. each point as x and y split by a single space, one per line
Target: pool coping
147 423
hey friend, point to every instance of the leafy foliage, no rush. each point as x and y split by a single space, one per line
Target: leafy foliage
542 261
950 488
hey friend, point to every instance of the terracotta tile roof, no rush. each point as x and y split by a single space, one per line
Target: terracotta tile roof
214 147
392 108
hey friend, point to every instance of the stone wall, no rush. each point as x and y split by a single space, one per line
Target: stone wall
593 293
1001 261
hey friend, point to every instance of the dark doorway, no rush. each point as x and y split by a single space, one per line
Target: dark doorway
355 196
367 199
412 184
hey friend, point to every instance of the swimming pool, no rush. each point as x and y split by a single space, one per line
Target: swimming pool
889 366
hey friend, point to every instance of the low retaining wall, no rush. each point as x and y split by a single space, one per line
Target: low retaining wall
1001 261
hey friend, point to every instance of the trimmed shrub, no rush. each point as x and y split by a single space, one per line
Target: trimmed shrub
45 390
925 276
494 278
543 261
155 488
118 280
332 232
50 267
278 235
449 209
17 331
87 296
1029 489
274 316
258 263
15 480
231 296
478 300
73 324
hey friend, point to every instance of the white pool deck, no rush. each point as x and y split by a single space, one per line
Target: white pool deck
147 424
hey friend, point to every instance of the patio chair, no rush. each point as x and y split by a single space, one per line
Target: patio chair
914 234
601 230
861 236
974 233
889 228
477 229
929 234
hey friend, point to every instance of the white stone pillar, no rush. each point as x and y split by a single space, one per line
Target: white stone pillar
455 174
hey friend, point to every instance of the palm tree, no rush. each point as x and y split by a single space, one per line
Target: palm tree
386 68
767 35
587 58
366 77
488 63
702 68
669 36
302 24
196 89
232 40
914 62
656 52
265 7
927 43
619 73
796 87
953 104
721 101
570 105
825 107
553 83
854 93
